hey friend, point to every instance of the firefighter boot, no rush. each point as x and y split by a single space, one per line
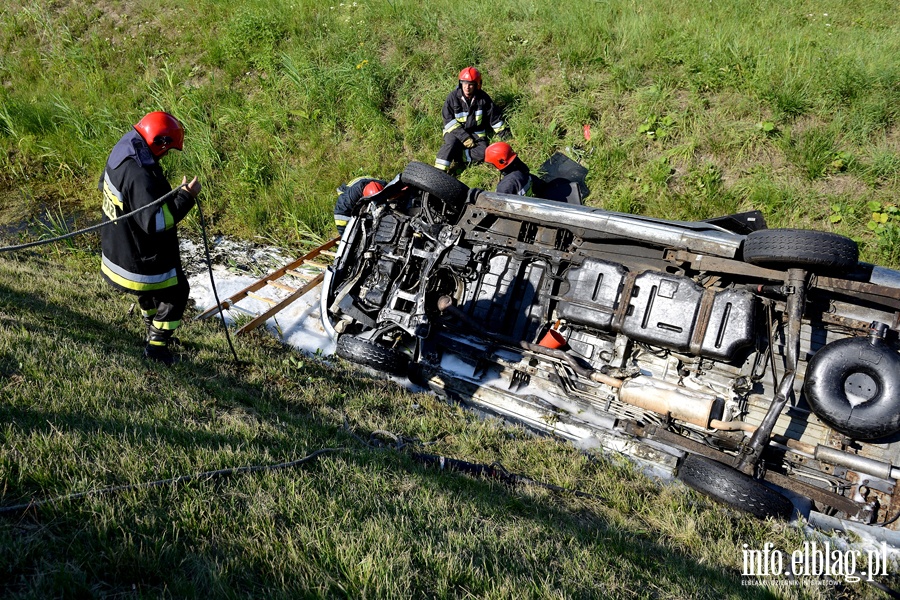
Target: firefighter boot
158 346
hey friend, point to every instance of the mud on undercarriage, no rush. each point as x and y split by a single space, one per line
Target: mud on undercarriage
723 351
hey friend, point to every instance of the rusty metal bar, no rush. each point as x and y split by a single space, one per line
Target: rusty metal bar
278 273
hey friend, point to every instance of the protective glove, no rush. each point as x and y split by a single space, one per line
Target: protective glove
469 142
504 135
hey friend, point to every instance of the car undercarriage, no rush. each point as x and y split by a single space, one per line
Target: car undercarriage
759 365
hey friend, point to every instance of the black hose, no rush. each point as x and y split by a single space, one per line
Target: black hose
212 283
156 202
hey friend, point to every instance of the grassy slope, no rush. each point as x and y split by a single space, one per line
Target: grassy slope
285 100
695 109
81 411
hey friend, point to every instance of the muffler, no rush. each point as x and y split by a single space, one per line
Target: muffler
691 406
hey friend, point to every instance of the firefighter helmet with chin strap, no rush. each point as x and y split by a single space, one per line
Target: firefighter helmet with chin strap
471 74
161 131
499 154
372 188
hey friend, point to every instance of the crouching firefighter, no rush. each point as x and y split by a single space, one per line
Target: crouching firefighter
140 254
349 196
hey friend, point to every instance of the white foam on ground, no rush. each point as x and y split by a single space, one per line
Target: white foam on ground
238 265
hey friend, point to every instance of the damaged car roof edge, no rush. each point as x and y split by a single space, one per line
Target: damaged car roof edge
696 237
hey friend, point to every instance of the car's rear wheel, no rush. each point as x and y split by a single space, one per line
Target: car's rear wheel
801 248
729 486
372 354
435 182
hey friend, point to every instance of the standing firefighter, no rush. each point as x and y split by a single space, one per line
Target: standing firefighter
140 254
469 113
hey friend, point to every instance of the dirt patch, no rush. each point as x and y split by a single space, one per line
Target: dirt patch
841 185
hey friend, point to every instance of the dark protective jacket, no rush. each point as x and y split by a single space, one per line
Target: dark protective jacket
517 179
139 254
349 196
464 118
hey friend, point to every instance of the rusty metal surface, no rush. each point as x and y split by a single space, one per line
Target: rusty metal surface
881 294
812 492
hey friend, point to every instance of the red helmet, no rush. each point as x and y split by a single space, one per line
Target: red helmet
499 154
471 74
161 131
372 188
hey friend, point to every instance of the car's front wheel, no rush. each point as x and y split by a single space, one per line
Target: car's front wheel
372 354
435 182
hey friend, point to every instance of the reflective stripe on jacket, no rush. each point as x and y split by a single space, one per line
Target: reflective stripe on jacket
464 118
139 254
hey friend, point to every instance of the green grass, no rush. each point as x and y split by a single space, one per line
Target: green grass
283 101
695 109
81 411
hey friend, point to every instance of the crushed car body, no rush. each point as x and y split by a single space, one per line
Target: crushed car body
758 365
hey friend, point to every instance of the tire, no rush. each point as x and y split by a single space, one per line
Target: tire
372 354
812 250
729 486
853 385
435 182
418 375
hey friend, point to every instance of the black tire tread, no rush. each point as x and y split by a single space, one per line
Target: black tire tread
435 182
372 354
729 486
815 250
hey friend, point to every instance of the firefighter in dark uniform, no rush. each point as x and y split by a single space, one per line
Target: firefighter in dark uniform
140 254
349 196
469 114
516 177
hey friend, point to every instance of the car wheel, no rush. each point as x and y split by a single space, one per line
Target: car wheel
814 250
435 182
729 486
372 354
853 385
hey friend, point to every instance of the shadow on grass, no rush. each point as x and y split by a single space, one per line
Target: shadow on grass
76 548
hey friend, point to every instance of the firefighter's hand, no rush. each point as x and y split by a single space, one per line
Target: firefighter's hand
469 142
192 188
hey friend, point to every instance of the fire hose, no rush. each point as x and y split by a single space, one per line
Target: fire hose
156 202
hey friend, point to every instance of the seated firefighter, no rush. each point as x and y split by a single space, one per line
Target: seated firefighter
349 196
468 114
516 177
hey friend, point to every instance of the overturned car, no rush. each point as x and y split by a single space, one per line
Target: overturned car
759 365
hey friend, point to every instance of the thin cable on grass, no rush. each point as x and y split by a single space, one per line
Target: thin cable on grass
494 470
205 476
71 234
156 202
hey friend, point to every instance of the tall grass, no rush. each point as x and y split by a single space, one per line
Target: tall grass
285 100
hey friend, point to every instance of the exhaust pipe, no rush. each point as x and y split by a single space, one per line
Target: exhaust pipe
691 406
